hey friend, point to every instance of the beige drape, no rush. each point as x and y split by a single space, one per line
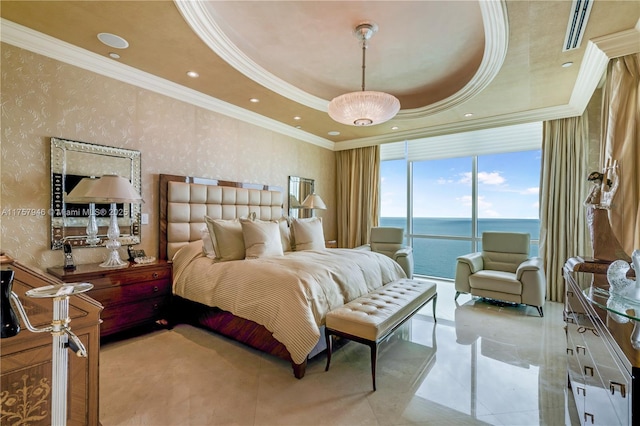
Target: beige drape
621 136
357 177
563 187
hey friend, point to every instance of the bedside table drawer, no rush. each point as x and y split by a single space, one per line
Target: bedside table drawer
132 276
130 293
123 317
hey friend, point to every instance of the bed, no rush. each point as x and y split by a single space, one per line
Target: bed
273 299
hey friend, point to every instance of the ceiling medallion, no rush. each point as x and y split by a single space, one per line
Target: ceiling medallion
364 108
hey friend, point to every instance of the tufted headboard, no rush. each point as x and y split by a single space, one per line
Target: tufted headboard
185 200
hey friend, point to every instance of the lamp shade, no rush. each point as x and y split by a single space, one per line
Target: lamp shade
365 108
113 189
79 193
313 201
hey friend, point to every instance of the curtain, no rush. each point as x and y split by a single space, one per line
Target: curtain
620 136
563 186
357 177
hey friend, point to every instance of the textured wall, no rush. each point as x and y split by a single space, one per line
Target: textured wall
42 98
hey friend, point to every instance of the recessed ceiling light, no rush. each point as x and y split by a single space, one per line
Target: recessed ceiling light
395 128
193 74
334 133
567 64
298 127
254 100
114 55
468 114
113 40
297 117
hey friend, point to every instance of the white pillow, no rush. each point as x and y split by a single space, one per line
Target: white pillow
261 238
285 234
228 242
207 243
308 234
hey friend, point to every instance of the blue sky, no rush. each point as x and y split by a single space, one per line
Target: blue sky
508 187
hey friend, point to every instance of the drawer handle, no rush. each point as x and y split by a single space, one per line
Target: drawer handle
155 275
578 347
588 415
569 351
584 390
623 390
155 306
155 288
570 293
589 369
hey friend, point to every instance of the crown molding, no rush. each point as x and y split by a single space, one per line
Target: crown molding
42 44
543 114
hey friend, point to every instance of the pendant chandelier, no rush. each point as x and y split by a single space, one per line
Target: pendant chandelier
364 108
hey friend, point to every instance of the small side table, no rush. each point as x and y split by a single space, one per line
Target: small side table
135 295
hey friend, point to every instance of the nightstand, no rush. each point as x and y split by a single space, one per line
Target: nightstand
131 296
331 244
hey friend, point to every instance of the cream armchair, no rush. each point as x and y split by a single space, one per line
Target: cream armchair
503 271
390 241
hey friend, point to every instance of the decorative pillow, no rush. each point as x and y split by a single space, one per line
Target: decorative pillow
207 243
285 234
261 238
228 242
308 234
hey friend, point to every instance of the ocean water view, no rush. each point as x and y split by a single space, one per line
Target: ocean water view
436 257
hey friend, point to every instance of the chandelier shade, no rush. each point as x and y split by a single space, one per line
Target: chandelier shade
364 108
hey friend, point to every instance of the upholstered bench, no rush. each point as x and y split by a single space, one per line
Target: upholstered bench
371 318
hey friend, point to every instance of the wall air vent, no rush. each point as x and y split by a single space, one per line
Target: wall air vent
580 10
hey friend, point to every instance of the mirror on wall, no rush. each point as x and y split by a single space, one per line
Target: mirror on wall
71 161
299 188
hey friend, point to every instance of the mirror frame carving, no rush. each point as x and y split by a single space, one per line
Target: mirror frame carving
299 188
70 225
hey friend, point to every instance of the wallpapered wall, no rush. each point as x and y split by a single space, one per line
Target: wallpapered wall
42 98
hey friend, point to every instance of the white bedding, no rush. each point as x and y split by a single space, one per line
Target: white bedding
289 295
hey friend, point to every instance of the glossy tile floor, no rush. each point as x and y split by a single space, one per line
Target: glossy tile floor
479 364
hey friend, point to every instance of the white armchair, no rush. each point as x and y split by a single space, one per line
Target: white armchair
503 271
390 242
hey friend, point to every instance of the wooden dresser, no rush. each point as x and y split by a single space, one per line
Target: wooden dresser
603 365
26 359
135 295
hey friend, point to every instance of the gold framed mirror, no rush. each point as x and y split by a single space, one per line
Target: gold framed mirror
71 161
299 189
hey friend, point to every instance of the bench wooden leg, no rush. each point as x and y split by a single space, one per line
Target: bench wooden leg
435 299
328 339
374 359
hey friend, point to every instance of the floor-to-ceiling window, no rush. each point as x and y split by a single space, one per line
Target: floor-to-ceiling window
446 191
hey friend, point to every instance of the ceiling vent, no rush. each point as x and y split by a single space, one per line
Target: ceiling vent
580 10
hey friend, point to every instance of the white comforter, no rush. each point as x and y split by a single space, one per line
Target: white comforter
289 295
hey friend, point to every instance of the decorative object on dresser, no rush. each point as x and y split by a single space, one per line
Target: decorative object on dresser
603 358
26 363
136 295
604 242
